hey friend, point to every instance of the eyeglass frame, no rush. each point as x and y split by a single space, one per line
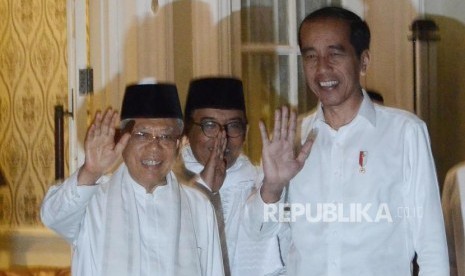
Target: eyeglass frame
221 128
143 138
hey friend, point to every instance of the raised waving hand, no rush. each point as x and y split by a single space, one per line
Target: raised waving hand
101 152
280 162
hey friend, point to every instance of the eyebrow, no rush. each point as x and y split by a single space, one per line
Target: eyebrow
207 118
215 119
306 50
157 129
339 47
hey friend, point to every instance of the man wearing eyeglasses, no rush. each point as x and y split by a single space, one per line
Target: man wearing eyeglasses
140 221
216 124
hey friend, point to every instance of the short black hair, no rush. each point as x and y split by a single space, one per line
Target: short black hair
359 30
375 96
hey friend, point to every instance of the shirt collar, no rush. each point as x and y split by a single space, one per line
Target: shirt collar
140 190
366 110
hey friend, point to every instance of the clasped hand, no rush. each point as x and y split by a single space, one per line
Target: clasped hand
214 171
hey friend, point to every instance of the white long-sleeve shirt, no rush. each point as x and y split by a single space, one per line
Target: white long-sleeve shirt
116 228
247 256
365 201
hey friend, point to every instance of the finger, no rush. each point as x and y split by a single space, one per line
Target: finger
222 144
292 127
90 132
113 124
97 123
263 133
277 125
214 152
284 122
107 120
115 119
305 150
122 143
219 142
220 170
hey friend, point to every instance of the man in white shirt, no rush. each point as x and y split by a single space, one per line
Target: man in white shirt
363 193
140 221
215 118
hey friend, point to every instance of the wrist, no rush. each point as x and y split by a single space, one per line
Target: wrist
213 184
270 195
87 177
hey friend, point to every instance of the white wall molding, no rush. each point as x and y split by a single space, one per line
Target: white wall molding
77 59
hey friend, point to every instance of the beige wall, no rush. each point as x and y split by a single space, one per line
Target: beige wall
448 125
33 79
391 68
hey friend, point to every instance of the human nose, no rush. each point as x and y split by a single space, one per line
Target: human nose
224 132
322 64
154 143
222 128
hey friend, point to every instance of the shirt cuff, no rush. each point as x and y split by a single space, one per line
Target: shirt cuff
81 193
85 192
261 208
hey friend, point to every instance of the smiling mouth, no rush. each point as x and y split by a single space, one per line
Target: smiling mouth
151 163
328 84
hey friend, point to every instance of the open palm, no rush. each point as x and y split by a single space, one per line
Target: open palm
280 163
101 152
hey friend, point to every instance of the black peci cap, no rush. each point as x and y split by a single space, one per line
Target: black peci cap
214 92
151 101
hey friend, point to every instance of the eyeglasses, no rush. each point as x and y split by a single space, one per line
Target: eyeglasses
212 128
166 141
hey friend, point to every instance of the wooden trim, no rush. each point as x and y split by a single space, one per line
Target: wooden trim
77 58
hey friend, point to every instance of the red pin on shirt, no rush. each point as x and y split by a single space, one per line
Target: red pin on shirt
362 160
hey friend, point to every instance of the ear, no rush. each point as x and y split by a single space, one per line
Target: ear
179 144
246 131
364 62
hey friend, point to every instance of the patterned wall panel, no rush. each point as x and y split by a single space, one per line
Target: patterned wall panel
33 79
